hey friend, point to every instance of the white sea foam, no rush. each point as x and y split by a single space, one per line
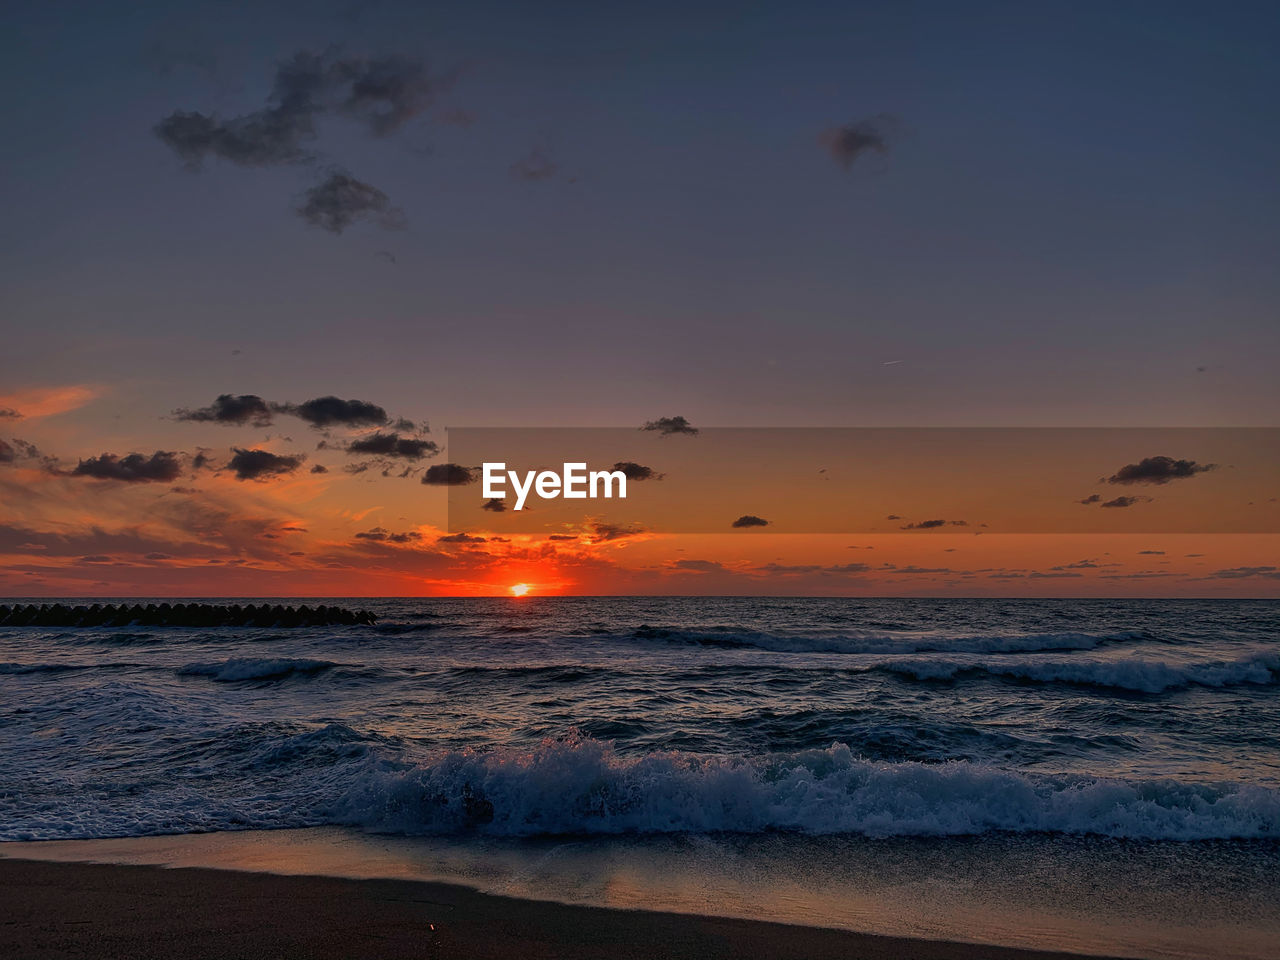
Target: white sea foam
584 787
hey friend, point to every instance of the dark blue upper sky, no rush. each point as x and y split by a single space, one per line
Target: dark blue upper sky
616 213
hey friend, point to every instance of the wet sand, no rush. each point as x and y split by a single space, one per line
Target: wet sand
61 910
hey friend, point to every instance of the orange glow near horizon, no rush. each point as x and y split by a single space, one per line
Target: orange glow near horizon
519 589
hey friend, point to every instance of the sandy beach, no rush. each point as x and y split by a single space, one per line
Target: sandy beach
60 910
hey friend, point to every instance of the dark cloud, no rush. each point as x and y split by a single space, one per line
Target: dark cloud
336 412
636 471
97 558
319 468
602 532
561 537
698 566
386 255
935 524
8 413
893 516
494 505
748 520
1244 573
853 140
382 93
157 556
340 200
7 453
461 538
273 135
261 464
1091 498
230 409
394 445
1151 553
448 475
534 166
160 467
1159 470
669 425
381 535
1125 501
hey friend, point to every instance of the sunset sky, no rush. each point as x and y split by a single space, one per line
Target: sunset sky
363 224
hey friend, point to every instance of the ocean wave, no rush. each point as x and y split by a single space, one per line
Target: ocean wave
581 786
242 669
1135 674
18 669
854 643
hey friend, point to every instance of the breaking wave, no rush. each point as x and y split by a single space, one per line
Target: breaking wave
584 787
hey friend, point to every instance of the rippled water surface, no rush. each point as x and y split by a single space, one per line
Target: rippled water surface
1131 719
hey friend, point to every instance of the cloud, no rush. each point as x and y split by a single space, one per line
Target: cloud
1091 498
1244 573
1151 553
340 200
1125 501
17 450
319 468
336 412
230 409
599 532
494 505
666 426
160 467
934 524
47 401
394 445
8 413
851 141
748 520
534 166
448 475
636 471
261 464
461 538
272 135
697 566
1159 470
383 94
381 535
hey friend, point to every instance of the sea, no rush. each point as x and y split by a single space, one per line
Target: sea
820 745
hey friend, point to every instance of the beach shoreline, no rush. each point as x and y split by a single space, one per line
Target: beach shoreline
1012 895
63 909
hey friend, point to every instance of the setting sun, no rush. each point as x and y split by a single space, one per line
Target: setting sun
519 589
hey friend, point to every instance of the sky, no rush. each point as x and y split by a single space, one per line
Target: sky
587 215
